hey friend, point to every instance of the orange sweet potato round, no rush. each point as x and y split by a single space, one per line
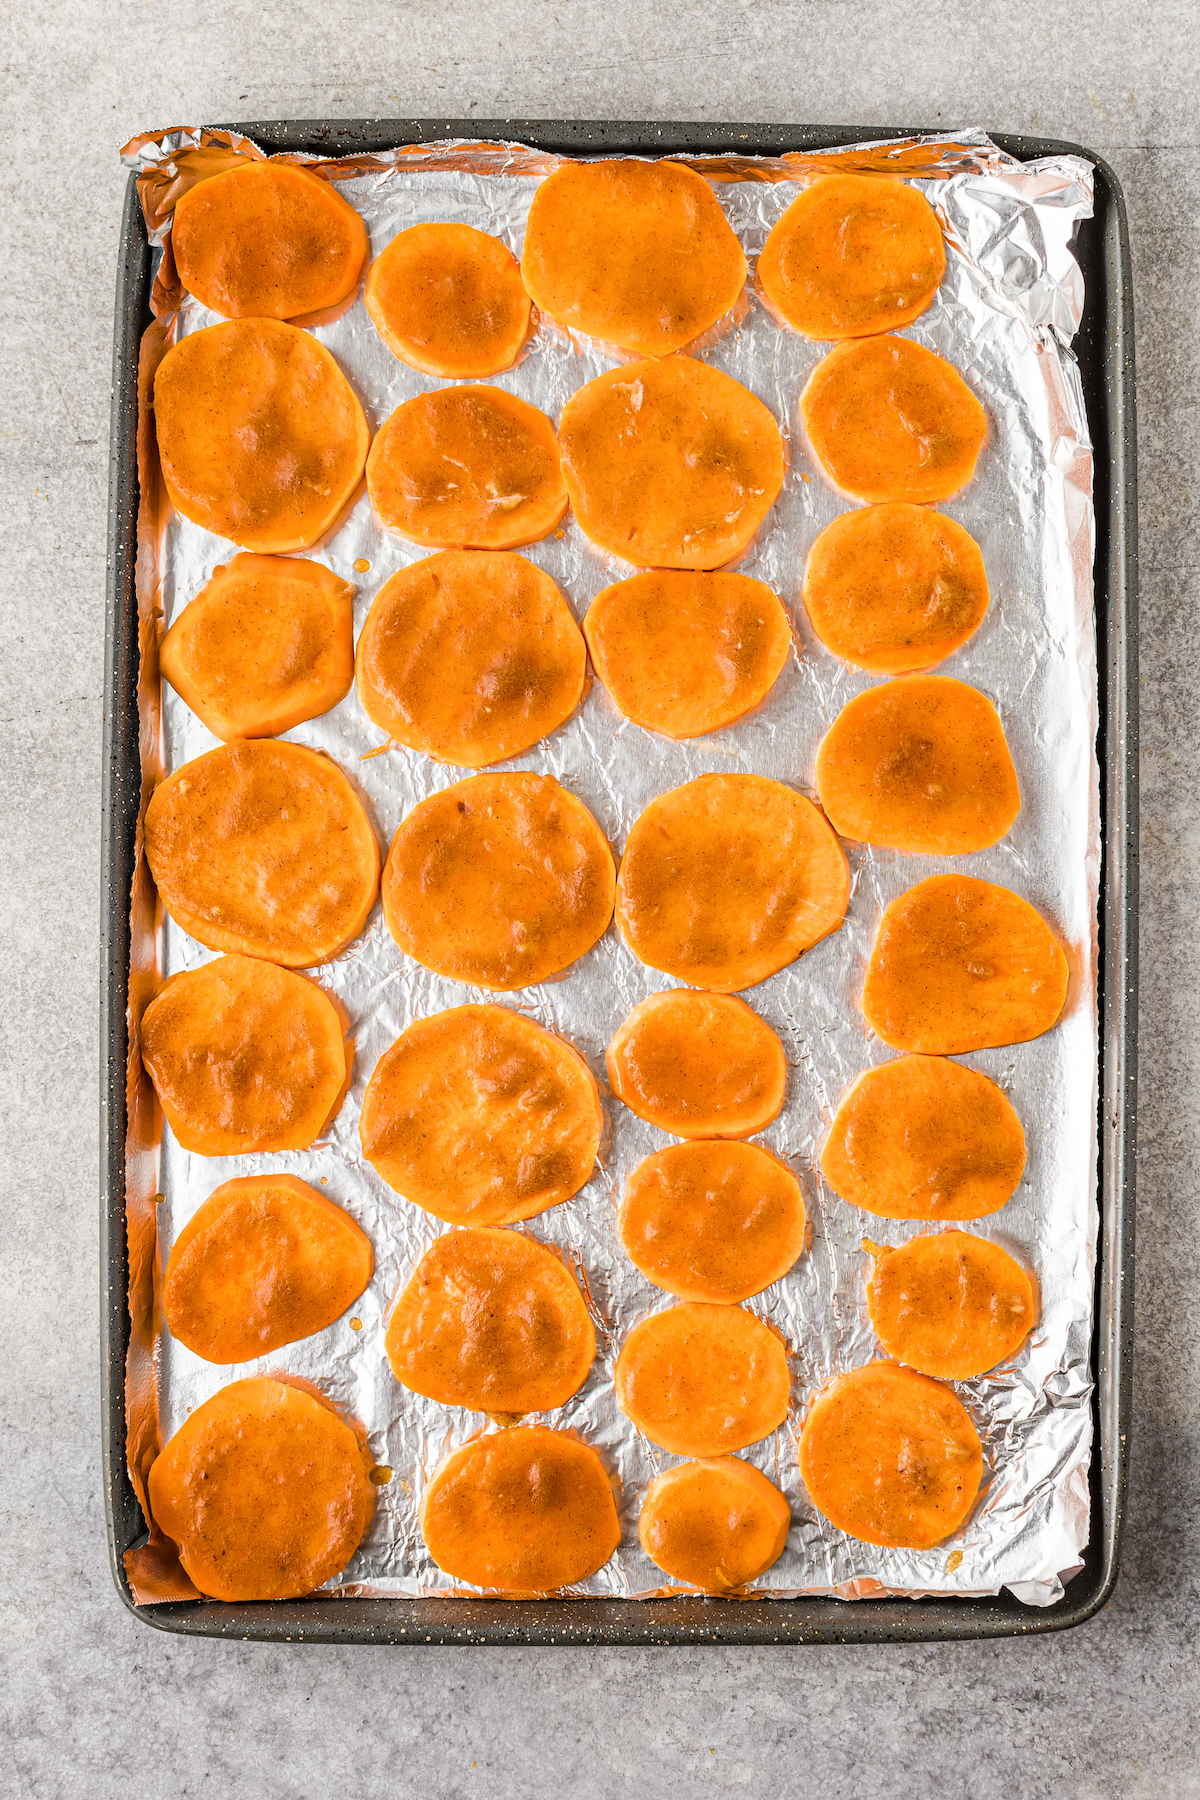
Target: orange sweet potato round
266 1491
449 300
638 254
500 880
266 1261
698 1065
702 1380
717 1523
963 965
260 435
472 656
950 1304
889 420
670 464
728 879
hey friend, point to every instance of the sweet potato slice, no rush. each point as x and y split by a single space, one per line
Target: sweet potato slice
500 880
268 240
260 435
920 764
703 1380
950 1304
467 468
728 879
524 1511
244 1056
638 254
449 300
670 464
698 1065
963 965
896 588
891 1457
851 256
472 656
712 1221
683 653
491 1320
889 420
265 848
266 1491
266 1261
267 643
717 1523
923 1138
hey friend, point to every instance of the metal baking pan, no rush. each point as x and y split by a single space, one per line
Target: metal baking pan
1104 347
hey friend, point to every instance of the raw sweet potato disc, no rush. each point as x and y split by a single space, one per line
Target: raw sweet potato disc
923 1138
481 1116
491 1320
467 468
267 643
716 1523
500 880
670 464
260 435
702 1380
712 1221
264 847
684 653
895 588
638 254
728 879
890 1457
526 1511
449 300
889 420
950 1304
244 1056
963 965
851 256
698 1065
920 764
268 240
472 656
266 1261
266 1491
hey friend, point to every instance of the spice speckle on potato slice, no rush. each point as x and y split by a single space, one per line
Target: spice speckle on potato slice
701 1380
950 1304
698 1065
716 1523
449 300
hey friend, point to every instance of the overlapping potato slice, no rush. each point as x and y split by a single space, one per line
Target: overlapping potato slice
525 1511
260 435
895 588
851 256
702 1380
920 764
712 1221
500 880
889 420
265 848
716 1523
728 879
268 240
265 1261
467 468
265 1490
685 653
670 464
449 300
698 1065
950 1304
267 643
963 965
491 1320
638 254
472 656
923 1138
890 1457
244 1056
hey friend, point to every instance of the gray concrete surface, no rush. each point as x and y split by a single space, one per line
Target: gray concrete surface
91 1703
